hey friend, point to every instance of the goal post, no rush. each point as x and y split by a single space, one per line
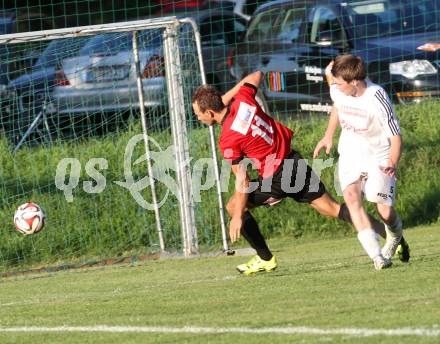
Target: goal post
167 123
178 125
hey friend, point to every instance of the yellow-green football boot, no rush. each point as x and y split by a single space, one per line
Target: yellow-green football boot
256 264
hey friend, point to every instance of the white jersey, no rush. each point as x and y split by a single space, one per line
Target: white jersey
367 124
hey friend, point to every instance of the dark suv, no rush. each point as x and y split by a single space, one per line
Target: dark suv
293 41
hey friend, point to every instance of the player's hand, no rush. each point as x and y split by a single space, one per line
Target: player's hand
328 73
235 228
389 170
328 69
327 143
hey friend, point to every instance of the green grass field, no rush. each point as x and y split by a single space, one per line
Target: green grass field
322 284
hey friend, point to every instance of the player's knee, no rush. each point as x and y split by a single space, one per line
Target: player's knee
386 213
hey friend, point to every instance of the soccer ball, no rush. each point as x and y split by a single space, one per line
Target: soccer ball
29 218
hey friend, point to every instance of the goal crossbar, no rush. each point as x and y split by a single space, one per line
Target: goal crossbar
77 31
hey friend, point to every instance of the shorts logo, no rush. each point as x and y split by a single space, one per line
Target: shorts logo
384 196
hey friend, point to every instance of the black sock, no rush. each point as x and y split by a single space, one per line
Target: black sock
252 234
344 214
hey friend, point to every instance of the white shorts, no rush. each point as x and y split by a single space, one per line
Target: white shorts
377 187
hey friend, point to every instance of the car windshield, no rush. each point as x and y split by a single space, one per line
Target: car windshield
377 18
115 42
59 49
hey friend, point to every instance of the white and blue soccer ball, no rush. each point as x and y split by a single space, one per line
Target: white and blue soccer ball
29 218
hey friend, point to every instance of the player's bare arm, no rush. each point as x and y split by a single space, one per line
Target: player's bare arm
395 152
253 79
327 141
240 197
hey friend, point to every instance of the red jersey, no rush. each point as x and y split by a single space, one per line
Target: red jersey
247 131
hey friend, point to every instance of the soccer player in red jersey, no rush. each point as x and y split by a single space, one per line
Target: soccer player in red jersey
248 132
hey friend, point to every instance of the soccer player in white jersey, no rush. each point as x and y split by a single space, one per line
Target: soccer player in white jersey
369 151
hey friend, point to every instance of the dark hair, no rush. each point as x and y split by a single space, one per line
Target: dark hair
349 68
208 97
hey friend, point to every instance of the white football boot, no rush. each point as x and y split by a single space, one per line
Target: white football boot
381 262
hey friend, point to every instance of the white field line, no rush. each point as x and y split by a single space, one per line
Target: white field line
365 332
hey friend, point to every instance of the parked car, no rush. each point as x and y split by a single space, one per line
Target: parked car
31 91
293 42
103 78
35 87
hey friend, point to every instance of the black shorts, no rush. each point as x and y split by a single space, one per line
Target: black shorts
294 179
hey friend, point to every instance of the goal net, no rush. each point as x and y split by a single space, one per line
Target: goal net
97 128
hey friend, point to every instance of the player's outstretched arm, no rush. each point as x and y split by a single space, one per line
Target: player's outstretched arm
253 79
327 141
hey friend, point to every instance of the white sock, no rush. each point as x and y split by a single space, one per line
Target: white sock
370 242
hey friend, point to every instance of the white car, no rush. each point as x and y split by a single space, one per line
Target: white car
103 79
103 76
